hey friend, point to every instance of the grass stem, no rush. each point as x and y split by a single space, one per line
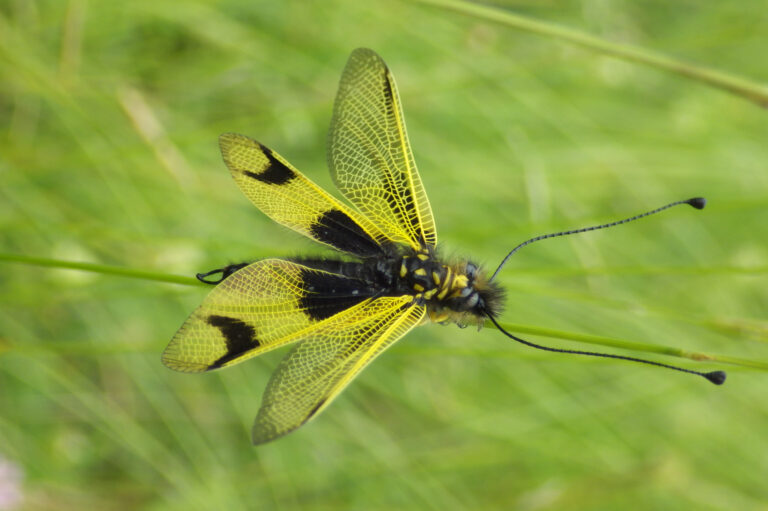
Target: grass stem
752 91
99 268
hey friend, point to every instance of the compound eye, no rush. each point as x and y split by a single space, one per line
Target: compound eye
471 270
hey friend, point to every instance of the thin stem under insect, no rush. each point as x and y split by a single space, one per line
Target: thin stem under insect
97 268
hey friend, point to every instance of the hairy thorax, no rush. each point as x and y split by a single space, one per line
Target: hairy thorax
453 293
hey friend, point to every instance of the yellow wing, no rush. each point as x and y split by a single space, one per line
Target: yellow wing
265 305
370 156
317 370
289 198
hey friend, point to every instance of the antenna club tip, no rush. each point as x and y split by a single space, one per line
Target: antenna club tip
697 202
716 377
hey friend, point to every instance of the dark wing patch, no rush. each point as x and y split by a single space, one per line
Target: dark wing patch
337 229
326 294
289 198
239 336
275 173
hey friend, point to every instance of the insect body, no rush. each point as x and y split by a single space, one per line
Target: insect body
340 313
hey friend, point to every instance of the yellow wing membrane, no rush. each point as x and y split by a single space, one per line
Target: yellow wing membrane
370 157
289 198
265 305
317 370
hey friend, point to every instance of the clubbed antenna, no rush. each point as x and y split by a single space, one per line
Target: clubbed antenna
716 377
696 202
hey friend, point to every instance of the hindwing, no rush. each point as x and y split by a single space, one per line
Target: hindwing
319 368
370 156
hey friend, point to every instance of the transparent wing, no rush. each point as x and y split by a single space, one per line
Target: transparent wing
265 305
289 198
369 154
317 370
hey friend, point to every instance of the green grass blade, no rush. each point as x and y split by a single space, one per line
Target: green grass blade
99 268
752 91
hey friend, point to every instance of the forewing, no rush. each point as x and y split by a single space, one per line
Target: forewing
265 305
289 198
370 156
317 370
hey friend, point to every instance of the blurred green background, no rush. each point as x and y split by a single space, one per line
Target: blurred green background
109 117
